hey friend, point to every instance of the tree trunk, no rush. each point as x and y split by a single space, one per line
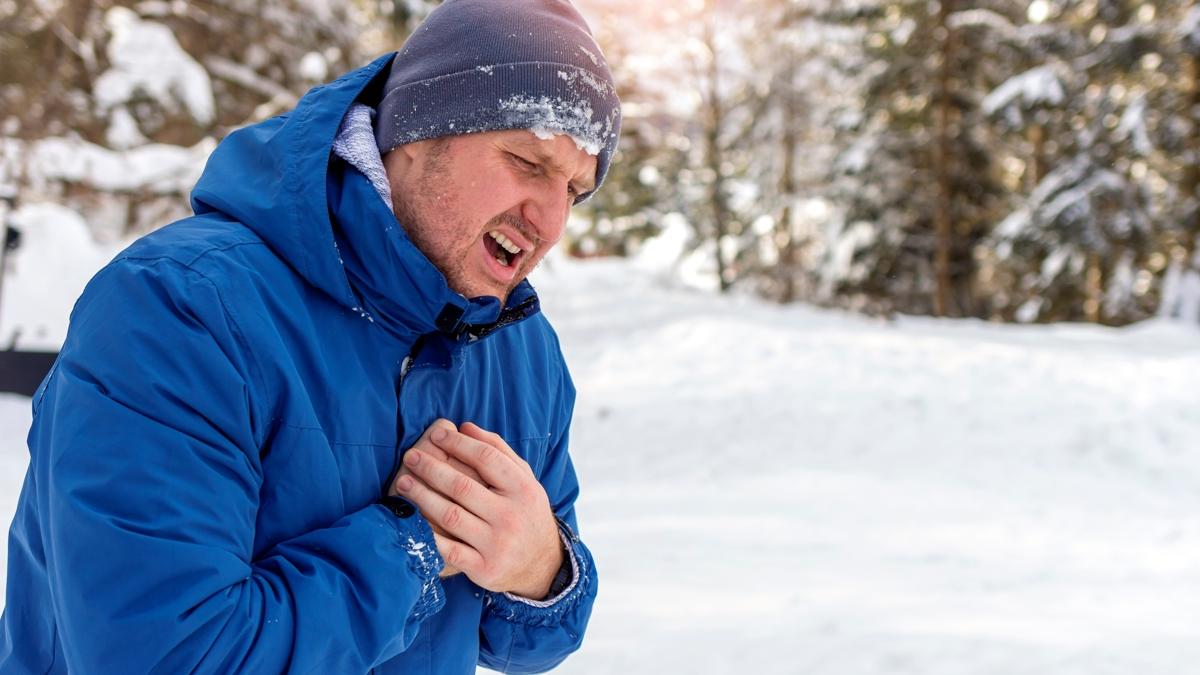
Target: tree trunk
1037 163
785 238
1190 187
1094 285
712 149
403 19
943 213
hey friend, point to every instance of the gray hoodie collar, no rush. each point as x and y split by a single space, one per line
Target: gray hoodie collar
355 143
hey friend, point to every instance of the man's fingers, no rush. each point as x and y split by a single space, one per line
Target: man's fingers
491 438
458 556
424 443
440 424
497 468
442 513
463 468
427 444
453 485
448 570
458 466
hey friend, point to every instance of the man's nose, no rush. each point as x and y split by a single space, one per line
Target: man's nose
547 209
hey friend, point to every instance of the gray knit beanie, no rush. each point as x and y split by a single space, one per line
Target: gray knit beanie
491 65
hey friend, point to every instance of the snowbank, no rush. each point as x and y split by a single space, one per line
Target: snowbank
785 490
46 274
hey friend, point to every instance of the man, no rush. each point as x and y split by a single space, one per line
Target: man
321 427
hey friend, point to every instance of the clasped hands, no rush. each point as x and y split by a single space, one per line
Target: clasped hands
490 516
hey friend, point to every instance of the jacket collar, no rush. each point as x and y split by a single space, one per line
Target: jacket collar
394 283
326 220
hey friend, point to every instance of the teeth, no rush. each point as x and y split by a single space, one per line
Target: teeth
505 243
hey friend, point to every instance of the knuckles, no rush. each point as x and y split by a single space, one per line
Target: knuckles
487 454
461 487
531 494
452 517
514 523
452 556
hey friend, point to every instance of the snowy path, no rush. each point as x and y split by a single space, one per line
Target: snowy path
793 491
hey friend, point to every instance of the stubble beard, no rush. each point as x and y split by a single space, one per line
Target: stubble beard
435 230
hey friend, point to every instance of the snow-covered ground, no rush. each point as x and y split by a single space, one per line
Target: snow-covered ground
787 490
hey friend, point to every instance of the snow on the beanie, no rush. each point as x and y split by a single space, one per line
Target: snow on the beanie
471 69
547 117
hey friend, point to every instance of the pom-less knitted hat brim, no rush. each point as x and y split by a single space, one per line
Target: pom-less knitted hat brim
492 65
495 98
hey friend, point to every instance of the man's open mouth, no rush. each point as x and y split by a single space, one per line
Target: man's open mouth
502 249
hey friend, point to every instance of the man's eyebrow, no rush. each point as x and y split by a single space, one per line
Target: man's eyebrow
587 185
554 166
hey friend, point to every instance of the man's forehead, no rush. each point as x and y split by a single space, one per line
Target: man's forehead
527 138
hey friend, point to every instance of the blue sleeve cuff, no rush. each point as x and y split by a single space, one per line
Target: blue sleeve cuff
548 612
416 538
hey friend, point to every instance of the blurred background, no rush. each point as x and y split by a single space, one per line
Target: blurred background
1016 161
884 324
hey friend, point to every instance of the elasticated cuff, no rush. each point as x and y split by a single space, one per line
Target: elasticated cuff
548 612
416 538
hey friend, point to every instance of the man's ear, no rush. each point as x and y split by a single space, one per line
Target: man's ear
398 161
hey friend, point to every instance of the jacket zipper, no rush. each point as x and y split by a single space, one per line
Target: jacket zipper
405 366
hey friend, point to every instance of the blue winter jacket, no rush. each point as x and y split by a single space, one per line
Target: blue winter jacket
234 396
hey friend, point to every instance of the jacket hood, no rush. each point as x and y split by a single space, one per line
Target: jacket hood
278 177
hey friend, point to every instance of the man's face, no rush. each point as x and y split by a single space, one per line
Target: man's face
486 207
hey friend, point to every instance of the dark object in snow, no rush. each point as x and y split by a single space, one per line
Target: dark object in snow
21 372
12 238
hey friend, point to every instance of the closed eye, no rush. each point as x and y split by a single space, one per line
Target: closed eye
524 163
532 167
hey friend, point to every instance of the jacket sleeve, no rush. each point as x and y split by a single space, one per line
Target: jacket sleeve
146 454
519 635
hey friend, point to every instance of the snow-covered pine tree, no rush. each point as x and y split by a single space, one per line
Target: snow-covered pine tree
702 95
403 16
639 189
1081 237
918 179
807 60
1173 72
731 91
